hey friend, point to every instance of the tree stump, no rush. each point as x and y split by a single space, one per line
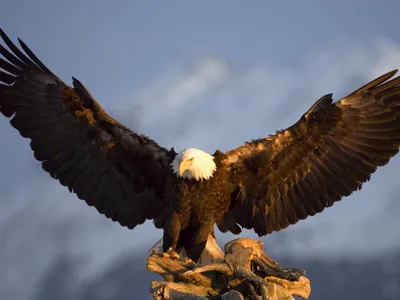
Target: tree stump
243 272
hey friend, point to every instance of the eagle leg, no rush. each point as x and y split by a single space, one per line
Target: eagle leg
171 235
197 245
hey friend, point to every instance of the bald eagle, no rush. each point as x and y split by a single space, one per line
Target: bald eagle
266 185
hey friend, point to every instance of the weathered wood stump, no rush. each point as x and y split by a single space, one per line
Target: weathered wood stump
245 271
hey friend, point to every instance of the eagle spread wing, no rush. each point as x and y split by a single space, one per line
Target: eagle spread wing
329 153
112 168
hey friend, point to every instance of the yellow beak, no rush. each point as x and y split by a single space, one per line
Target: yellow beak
182 167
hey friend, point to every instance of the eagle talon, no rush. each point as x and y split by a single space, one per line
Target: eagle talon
171 254
188 260
189 263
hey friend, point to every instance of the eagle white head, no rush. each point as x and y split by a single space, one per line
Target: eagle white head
193 163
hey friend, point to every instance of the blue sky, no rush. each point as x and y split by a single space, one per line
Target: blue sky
207 74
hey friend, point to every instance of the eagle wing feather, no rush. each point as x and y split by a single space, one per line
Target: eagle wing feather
119 172
328 154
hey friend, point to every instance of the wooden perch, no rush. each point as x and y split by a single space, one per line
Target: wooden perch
244 272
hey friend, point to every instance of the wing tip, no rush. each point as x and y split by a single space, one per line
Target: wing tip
387 76
4 37
2 33
393 72
375 83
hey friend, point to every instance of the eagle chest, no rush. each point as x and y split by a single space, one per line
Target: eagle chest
202 200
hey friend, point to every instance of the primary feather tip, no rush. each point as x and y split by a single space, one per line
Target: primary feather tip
195 164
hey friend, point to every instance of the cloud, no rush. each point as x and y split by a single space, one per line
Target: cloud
174 91
207 103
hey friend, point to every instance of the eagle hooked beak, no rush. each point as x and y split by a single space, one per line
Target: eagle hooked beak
182 167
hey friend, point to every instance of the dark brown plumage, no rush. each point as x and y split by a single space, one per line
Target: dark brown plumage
267 184
326 155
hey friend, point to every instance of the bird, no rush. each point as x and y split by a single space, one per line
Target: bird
266 184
